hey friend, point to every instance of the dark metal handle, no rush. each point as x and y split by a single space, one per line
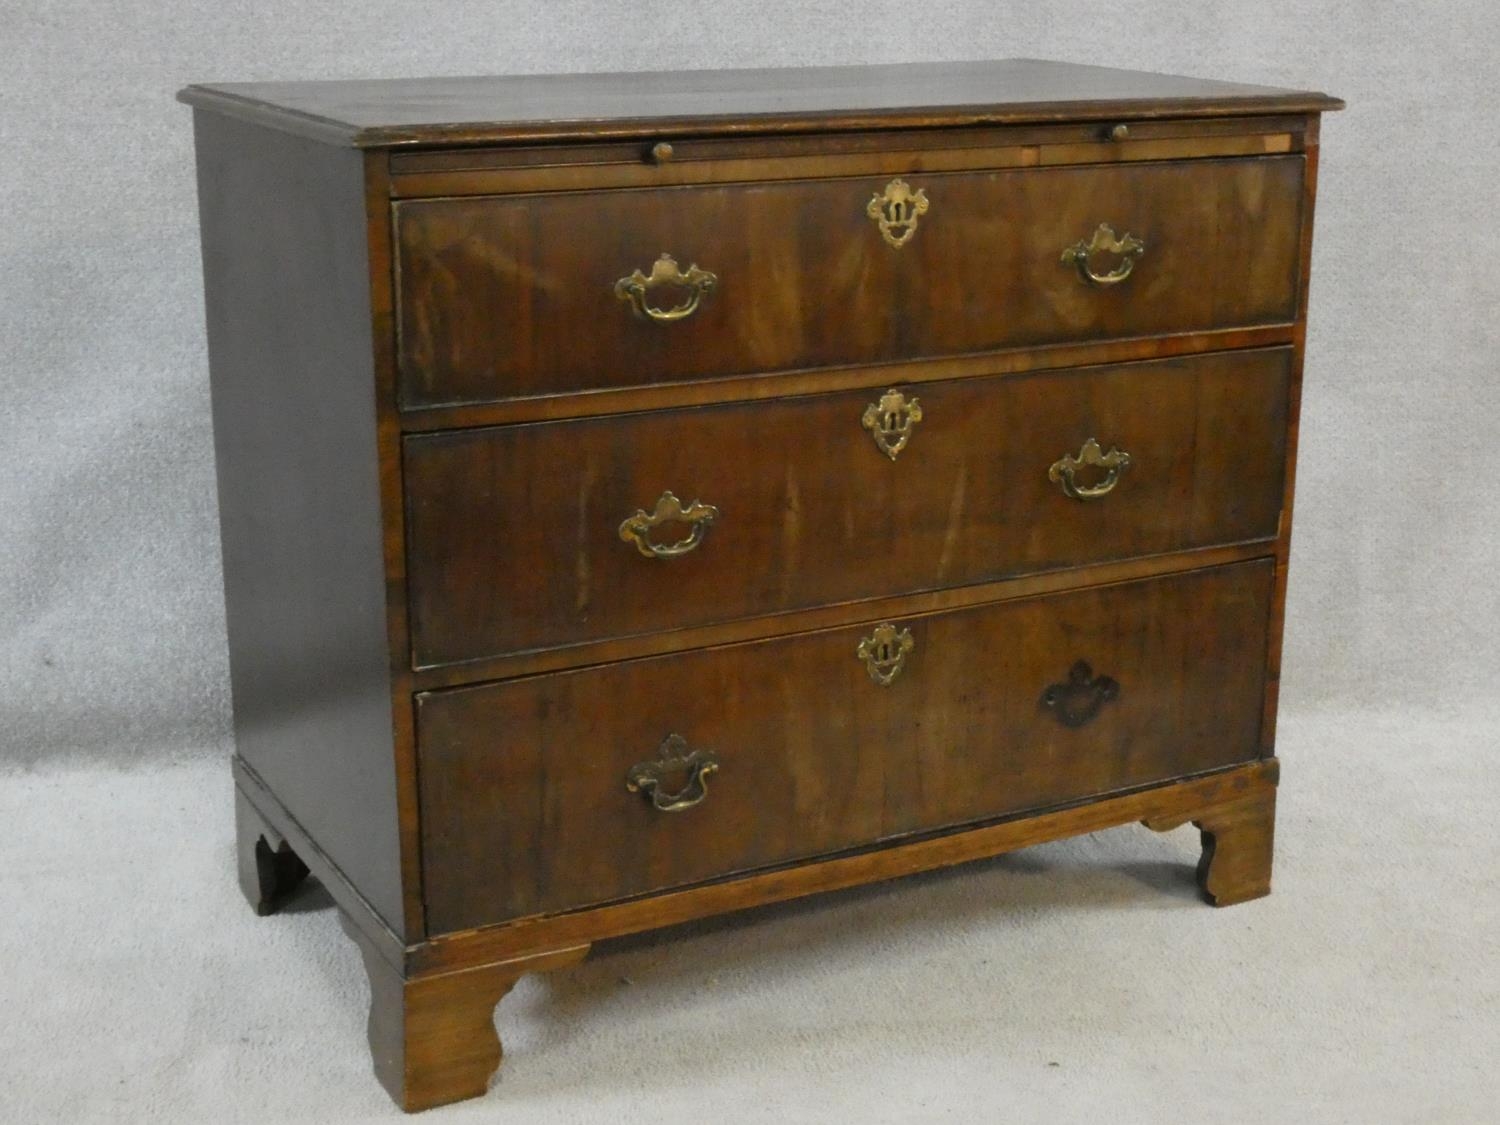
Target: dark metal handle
1063 472
665 272
698 516
673 757
1080 699
1127 247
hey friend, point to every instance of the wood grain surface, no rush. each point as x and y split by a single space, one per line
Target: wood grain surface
521 782
513 531
512 297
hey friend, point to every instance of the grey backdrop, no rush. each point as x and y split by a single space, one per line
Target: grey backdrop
111 624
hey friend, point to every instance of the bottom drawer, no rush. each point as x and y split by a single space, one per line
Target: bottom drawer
526 807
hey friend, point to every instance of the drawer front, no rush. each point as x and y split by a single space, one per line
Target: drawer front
515 538
526 804
511 297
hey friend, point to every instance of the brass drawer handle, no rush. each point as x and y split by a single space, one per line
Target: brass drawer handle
1062 472
673 758
1080 699
890 421
637 288
1104 241
884 652
637 528
896 211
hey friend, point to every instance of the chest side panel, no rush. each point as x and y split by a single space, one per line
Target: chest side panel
294 403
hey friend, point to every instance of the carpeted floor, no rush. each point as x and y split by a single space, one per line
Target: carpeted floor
1077 982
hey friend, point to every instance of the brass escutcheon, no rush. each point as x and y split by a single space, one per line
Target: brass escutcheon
896 211
637 528
1104 242
637 287
673 757
1062 472
884 652
890 421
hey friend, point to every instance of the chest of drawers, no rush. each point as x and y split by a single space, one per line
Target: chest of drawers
650 496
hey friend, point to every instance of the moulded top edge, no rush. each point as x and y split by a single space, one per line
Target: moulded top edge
500 109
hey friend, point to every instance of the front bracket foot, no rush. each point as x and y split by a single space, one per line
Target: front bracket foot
433 1038
1238 837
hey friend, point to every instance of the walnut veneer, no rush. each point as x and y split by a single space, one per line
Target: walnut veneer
645 497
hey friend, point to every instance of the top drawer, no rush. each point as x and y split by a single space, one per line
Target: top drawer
504 297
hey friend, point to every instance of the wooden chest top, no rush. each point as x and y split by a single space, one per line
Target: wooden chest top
478 110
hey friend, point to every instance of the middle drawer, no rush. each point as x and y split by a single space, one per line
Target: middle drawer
537 536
